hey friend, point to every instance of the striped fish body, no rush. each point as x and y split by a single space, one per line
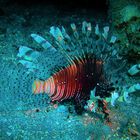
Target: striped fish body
74 81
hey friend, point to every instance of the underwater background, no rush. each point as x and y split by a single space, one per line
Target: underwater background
99 39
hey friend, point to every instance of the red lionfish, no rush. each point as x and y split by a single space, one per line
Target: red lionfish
72 64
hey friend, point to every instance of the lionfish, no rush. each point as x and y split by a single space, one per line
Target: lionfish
68 66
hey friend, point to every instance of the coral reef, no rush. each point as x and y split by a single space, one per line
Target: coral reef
125 16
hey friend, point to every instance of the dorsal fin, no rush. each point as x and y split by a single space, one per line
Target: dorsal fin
63 48
43 42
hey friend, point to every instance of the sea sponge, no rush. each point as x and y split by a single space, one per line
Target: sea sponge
128 12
